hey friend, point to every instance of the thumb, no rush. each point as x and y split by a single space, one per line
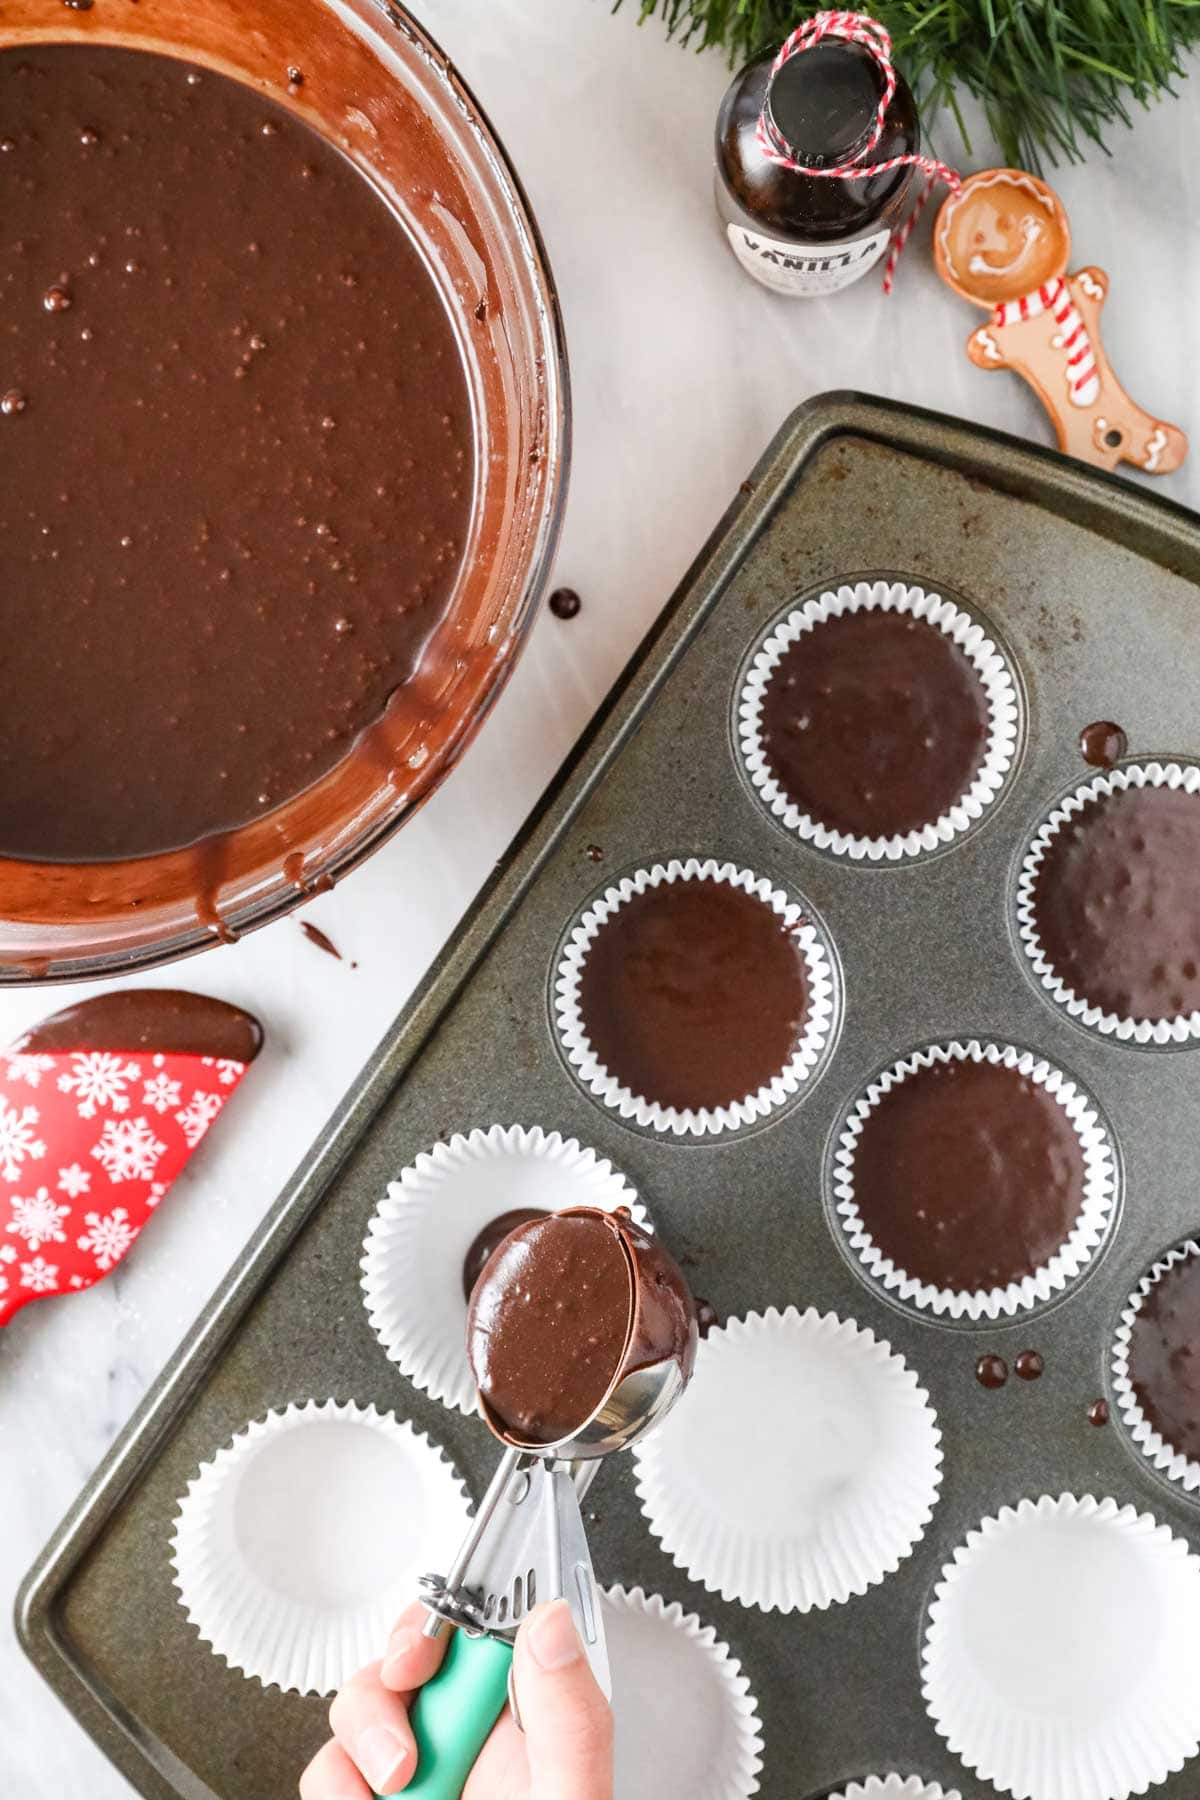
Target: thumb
567 1720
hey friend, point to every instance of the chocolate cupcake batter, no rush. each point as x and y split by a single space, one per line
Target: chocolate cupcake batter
549 1324
1103 744
991 1371
1116 903
320 940
874 723
1164 1356
694 994
488 1241
565 603
167 1020
235 453
968 1176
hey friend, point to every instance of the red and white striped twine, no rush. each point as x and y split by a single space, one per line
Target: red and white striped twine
856 28
1083 377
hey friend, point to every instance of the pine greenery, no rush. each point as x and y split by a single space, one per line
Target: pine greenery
1051 75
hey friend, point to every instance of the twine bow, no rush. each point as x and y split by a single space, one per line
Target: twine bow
855 28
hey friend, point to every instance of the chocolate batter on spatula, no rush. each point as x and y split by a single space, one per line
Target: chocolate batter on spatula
171 1021
235 454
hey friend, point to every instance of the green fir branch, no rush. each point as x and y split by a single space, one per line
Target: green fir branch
1052 76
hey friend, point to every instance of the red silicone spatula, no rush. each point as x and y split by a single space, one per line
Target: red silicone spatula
101 1105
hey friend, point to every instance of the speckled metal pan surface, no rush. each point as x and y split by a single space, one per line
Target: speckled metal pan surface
1092 585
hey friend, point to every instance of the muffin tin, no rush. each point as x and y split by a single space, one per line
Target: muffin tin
1090 587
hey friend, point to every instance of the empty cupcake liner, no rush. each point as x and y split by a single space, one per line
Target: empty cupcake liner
994 673
815 1036
802 1466
1061 1651
895 1787
680 1703
428 1220
1152 1032
1099 1190
301 1541
1162 1455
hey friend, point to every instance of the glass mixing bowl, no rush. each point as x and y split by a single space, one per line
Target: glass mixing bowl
376 85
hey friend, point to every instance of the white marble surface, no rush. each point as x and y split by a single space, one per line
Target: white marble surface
682 369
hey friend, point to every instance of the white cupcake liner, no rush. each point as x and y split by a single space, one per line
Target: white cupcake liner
1061 1655
703 1121
428 1220
680 1703
298 1545
1099 1188
1162 1455
895 1787
801 1468
995 676
1182 1029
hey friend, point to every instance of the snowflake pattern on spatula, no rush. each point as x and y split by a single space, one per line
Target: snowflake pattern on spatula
90 1141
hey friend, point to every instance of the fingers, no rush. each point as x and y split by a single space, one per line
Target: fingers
373 1751
567 1720
370 1722
411 1658
501 1770
332 1776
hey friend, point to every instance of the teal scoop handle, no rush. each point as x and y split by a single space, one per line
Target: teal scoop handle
453 1715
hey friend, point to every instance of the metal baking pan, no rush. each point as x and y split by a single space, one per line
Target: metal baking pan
1092 583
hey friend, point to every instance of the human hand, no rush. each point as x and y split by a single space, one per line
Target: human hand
564 1752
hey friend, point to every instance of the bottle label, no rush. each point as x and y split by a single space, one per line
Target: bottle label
805 268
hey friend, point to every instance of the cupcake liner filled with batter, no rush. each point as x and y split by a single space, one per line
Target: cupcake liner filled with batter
974 1180
878 721
298 1545
680 1703
1108 903
802 1467
1061 1651
431 1235
1156 1365
695 997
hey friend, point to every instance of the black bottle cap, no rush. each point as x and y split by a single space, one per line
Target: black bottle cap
823 103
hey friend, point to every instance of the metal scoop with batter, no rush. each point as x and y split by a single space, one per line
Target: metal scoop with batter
527 1543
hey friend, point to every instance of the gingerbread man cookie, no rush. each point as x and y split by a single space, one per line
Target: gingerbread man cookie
1003 242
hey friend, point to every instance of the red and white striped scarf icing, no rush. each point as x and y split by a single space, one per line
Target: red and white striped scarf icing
1083 381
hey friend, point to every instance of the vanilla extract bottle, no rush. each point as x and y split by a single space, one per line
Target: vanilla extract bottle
825 102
